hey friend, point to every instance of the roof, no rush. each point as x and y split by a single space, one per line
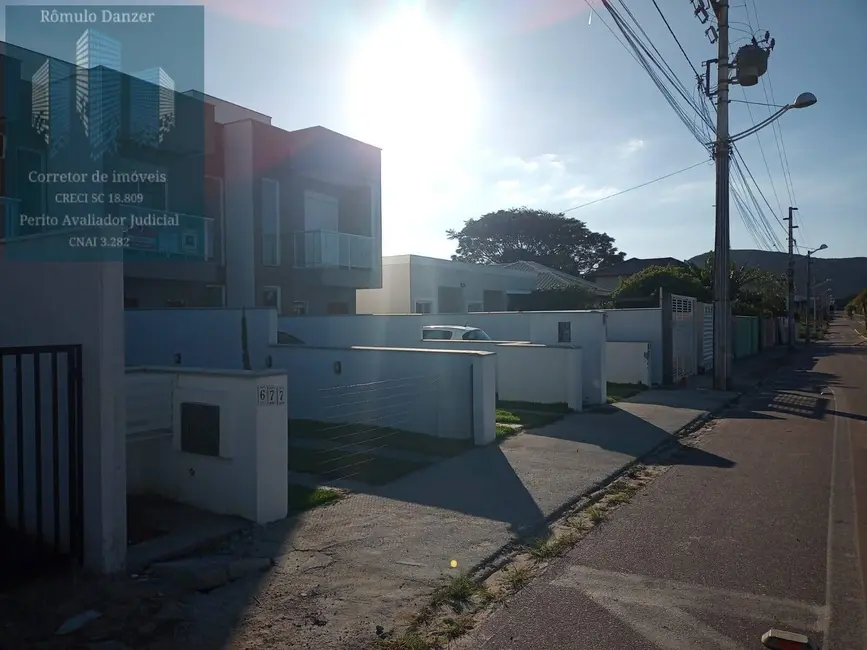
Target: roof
460 328
548 278
636 265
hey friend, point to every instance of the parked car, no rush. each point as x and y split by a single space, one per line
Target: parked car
453 332
285 338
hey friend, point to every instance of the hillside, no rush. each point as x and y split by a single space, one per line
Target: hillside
848 275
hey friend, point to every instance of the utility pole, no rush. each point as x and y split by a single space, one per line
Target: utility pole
790 277
809 292
721 285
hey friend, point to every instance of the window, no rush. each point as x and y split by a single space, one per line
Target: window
476 335
215 295
337 308
200 428
564 332
321 212
299 308
271 298
423 306
176 303
475 306
270 222
439 335
130 303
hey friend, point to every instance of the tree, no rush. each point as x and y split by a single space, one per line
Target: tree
524 234
754 292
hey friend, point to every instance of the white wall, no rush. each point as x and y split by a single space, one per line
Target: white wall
530 372
427 275
421 391
205 338
392 298
588 331
628 362
248 478
639 325
54 303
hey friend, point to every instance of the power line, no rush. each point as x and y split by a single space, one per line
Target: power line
636 187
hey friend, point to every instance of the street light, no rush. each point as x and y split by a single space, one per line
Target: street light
722 240
803 100
809 290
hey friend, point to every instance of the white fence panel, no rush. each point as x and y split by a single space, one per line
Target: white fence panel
683 348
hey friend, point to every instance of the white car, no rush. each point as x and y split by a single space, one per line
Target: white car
453 332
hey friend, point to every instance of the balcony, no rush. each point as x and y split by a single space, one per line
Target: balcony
325 249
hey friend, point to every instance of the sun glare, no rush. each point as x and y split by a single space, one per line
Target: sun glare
411 90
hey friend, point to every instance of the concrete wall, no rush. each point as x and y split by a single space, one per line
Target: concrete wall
438 393
205 338
392 298
643 326
587 330
248 478
530 372
628 362
53 303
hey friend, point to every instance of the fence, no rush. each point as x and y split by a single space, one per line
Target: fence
41 457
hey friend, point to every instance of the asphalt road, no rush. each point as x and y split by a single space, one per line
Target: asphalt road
711 556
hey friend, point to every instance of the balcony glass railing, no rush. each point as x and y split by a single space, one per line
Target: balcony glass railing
319 249
153 234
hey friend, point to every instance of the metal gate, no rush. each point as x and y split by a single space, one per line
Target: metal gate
683 348
707 336
41 486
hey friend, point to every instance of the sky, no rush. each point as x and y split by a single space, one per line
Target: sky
480 105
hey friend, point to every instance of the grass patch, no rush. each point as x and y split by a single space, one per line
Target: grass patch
553 546
303 498
595 514
453 628
458 593
505 431
620 392
409 640
337 464
528 419
559 407
516 577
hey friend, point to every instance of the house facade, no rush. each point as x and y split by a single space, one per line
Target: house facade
265 217
426 285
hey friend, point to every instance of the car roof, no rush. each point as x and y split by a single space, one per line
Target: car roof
463 328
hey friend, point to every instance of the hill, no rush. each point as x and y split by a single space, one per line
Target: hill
847 275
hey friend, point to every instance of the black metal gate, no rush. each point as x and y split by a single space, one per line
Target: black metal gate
41 483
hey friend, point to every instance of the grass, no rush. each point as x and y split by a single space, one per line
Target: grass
303 498
527 419
505 431
620 392
550 547
517 576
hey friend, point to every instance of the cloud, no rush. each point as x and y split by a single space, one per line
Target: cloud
632 147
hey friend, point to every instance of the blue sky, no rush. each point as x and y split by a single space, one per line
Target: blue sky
489 104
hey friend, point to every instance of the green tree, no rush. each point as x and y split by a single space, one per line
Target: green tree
524 234
753 291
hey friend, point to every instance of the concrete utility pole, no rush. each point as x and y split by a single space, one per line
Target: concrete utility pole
809 292
790 277
722 284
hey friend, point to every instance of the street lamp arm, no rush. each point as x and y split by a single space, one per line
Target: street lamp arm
760 125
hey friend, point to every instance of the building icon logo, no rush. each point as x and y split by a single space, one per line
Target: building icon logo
97 83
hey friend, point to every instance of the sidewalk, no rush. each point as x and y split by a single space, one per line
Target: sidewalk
372 558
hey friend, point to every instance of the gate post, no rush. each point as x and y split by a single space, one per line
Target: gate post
667 337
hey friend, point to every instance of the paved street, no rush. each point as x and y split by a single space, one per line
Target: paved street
712 555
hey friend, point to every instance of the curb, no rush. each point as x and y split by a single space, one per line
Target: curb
493 562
